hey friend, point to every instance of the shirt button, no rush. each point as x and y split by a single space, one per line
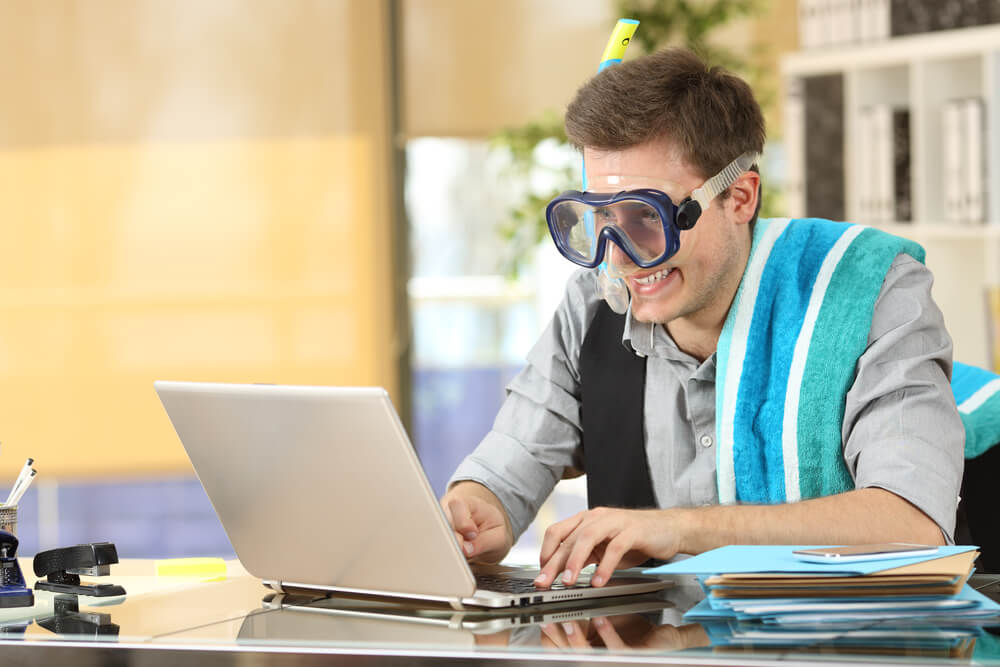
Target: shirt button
706 441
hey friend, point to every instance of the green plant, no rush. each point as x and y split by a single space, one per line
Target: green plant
689 23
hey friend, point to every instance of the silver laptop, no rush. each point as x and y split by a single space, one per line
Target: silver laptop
319 488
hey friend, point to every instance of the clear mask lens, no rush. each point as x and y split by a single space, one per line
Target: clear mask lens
635 226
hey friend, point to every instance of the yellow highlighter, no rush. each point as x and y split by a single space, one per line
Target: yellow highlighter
208 569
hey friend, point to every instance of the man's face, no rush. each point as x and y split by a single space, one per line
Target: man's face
698 283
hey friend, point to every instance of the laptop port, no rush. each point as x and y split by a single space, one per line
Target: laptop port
524 601
536 599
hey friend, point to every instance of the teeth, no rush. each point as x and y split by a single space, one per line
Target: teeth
654 277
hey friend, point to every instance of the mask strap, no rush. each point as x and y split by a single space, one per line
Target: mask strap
718 184
712 188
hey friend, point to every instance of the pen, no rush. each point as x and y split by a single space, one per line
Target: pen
25 471
20 491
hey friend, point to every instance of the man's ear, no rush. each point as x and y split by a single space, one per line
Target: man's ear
743 196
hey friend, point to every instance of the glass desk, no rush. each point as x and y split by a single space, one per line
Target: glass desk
237 621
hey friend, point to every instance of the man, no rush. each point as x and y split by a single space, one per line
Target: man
664 128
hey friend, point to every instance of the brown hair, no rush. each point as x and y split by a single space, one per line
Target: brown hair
708 114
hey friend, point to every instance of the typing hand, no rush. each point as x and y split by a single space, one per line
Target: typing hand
480 526
612 538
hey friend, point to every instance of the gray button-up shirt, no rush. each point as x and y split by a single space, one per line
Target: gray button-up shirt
901 429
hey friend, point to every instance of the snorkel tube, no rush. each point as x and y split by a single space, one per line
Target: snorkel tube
611 282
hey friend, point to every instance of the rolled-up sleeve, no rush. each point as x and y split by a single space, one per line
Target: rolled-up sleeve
902 431
536 434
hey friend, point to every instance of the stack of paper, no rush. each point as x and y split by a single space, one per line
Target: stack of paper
763 596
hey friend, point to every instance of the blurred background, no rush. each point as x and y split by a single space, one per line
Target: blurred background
329 192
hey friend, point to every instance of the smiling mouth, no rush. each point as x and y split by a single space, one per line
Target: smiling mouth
655 277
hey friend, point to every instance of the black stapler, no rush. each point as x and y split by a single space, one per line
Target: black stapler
61 569
13 592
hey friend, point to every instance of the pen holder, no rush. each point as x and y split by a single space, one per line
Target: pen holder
8 519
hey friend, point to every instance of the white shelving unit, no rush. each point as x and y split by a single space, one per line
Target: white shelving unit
921 72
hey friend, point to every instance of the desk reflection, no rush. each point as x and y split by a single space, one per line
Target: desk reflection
619 633
615 624
651 624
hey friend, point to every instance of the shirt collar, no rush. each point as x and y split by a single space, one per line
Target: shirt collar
648 339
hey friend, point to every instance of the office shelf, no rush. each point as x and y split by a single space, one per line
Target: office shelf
921 74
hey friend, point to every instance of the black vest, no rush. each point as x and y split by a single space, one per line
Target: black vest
613 387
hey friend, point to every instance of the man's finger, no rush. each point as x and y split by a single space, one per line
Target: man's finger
461 518
589 541
582 553
553 565
488 543
614 551
555 535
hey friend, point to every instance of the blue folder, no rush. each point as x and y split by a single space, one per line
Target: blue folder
747 559
968 602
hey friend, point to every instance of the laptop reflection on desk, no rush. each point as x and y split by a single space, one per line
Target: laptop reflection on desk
474 620
319 488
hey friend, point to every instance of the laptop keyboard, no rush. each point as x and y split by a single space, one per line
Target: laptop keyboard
507 584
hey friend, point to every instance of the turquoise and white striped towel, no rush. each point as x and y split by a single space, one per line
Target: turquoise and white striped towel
787 354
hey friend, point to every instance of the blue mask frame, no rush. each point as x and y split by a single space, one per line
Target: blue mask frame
675 218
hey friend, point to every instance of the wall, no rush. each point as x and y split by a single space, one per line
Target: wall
188 190
472 67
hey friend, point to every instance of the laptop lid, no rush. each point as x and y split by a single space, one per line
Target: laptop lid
318 486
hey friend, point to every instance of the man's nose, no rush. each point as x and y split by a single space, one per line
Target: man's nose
616 256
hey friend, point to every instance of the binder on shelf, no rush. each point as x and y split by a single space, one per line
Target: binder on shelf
900 150
823 101
836 20
964 136
807 20
839 22
951 136
823 28
975 191
989 12
882 18
884 189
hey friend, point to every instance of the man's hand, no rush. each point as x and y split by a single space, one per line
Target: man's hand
615 538
612 538
480 523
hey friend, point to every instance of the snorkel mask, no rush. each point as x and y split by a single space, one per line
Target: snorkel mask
644 223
